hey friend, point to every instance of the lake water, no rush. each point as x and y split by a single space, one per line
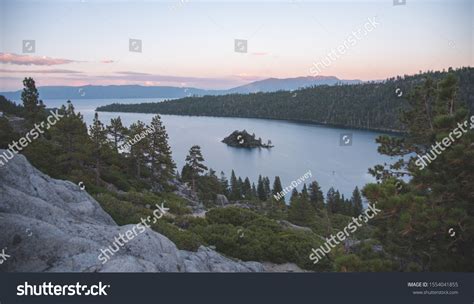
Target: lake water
298 147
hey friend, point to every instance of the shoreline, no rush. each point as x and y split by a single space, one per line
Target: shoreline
298 121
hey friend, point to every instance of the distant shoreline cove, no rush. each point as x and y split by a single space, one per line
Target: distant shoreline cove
302 121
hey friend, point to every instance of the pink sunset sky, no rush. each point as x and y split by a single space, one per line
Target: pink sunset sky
191 43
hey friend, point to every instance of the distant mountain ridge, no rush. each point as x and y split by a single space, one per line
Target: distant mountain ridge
137 91
110 91
289 84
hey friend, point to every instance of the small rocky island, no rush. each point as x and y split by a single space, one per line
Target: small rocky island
242 139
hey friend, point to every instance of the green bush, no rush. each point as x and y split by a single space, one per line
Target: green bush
232 215
183 239
189 222
176 204
246 235
113 176
122 212
348 263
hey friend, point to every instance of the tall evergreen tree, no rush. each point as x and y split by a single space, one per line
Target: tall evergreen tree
240 186
70 135
247 189
300 211
194 161
266 187
234 187
316 196
356 202
224 184
331 200
117 131
261 189
139 148
294 194
339 205
68 149
33 106
159 152
277 187
98 135
304 192
439 196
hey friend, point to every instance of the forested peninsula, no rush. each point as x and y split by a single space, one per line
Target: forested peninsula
371 105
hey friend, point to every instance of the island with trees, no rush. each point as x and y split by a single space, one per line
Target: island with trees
242 139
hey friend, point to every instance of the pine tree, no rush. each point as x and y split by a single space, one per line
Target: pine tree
331 200
194 161
266 187
117 131
304 192
159 152
98 135
277 187
240 187
234 187
261 189
247 189
316 196
139 146
438 197
356 202
33 106
277 208
68 148
294 195
300 211
224 184
339 203
346 206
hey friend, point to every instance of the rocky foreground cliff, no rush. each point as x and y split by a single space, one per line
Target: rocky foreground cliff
50 225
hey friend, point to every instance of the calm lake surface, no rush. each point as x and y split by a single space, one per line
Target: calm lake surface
298 147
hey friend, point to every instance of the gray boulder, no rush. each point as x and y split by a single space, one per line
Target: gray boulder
287 267
50 225
207 260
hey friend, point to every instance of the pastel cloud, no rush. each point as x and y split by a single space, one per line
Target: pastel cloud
32 60
52 71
